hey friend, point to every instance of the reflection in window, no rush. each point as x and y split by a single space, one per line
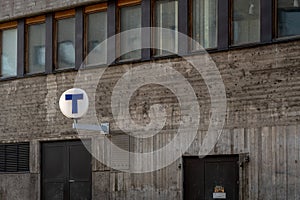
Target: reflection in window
36 48
130 19
66 43
9 53
166 17
246 21
97 33
205 22
288 18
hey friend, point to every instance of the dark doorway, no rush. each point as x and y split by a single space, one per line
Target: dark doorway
203 175
66 171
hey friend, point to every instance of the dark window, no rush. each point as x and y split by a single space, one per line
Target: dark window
96 32
166 16
8 49
65 39
204 19
14 157
36 38
288 15
130 18
246 22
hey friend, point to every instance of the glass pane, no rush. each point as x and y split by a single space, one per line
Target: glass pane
66 43
97 33
246 21
288 18
36 48
130 19
205 22
166 17
9 53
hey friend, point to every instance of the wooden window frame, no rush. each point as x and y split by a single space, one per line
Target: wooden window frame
32 21
122 4
96 8
3 27
66 14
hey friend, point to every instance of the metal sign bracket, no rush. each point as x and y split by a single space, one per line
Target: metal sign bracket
103 127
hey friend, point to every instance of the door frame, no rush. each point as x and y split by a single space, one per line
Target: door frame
88 141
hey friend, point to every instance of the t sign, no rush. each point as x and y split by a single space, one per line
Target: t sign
74 98
74 103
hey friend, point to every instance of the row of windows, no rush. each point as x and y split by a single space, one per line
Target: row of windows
59 31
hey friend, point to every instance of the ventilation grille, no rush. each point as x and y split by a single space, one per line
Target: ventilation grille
14 157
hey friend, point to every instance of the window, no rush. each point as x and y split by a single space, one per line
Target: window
246 21
288 15
96 26
130 18
36 34
8 49
166 16
65 39
205 23
14 157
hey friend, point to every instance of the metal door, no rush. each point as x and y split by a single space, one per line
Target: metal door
202 176
66 171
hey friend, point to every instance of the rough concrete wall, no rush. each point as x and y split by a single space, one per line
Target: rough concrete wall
11 9
262 87
19 186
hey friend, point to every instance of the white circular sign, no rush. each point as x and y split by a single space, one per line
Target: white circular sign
74 103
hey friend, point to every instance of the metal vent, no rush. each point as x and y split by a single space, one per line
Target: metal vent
14 157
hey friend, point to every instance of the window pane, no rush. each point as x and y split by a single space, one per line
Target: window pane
9 53
130 19
36 48
166 17
205 22
97 33
66 43
288 18
246 21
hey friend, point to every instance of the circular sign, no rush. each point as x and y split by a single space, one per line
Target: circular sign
74 103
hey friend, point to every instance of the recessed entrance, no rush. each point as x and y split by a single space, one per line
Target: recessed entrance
212 174
66 171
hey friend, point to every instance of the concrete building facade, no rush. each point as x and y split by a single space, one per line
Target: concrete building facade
261 127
